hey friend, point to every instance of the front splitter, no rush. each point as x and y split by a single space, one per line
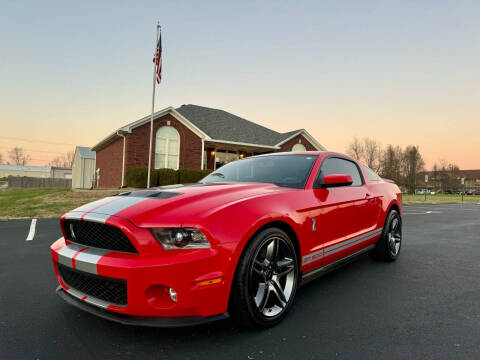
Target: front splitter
161 322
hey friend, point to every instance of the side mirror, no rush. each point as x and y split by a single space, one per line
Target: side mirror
335 180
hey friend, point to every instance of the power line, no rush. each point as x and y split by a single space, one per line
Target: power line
44 151
36 141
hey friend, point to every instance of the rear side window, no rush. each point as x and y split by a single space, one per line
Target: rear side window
371 175
335 165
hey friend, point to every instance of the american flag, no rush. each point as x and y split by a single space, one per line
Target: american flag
157 59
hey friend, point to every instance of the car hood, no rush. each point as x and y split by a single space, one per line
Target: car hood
172 205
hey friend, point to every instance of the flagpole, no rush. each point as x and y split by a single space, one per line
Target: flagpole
153 107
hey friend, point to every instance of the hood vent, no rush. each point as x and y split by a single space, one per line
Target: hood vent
154 194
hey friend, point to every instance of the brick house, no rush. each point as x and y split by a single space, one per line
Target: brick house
191 137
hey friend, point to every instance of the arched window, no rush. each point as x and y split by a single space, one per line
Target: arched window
299 147
167 148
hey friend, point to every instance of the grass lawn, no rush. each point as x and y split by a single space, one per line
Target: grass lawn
438 199
42 203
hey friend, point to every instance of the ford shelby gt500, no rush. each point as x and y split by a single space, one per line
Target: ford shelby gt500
238 243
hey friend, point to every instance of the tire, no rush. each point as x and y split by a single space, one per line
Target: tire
388 247
252 304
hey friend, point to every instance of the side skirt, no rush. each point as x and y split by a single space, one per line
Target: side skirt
312 275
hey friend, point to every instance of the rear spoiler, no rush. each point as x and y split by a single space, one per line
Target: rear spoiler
388 180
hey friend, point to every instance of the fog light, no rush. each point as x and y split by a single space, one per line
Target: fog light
173 295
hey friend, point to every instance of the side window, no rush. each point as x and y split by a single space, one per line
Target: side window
371 175
335 165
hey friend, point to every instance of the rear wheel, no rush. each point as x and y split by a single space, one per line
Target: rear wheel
389 245
266 280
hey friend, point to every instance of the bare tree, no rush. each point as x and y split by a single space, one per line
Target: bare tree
372 153
367 150
391 164
435 174
63 160
356 149
69 158
18 156
413 166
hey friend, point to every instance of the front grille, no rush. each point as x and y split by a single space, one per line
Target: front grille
111 290
98 235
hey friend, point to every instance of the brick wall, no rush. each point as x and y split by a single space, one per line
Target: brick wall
138 143
289 144
109 160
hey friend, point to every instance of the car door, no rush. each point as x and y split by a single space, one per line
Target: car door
344 212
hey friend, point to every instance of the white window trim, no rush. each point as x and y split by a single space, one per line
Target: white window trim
167 148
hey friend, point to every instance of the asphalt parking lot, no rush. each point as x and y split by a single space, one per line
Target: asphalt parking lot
424 306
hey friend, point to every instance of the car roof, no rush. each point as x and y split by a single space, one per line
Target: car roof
323 154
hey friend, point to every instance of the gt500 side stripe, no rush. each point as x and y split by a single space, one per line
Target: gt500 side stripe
329 250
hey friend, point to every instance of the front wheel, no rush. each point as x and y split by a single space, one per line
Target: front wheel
266 280
388 247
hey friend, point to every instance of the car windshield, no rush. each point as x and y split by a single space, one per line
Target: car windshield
282 170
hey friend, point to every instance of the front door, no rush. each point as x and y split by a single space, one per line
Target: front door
345 214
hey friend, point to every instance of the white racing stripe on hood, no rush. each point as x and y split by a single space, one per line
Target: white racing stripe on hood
96 204
119 205
101 210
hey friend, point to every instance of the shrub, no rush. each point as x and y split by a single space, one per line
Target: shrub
166 177
137 177
186 176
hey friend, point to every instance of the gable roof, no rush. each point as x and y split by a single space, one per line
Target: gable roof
222 125
218 125
85 152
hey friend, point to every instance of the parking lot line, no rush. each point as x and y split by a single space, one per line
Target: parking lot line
31 233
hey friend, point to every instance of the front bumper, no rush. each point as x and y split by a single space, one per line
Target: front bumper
187 272
164 322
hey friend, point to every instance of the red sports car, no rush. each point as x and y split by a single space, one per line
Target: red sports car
238 243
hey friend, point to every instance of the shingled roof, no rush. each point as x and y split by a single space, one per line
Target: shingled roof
222 125
217 125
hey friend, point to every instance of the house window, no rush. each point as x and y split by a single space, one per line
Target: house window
298 147
167 148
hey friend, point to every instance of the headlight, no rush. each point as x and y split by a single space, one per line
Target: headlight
180 238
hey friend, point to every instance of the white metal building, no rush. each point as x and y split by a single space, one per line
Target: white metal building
83 168
30 171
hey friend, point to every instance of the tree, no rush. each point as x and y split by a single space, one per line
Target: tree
18 156
69 158
391 164
372 153
356 149
366 150
435 174
63 160
413 166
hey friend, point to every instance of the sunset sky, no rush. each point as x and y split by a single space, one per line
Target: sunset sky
400 72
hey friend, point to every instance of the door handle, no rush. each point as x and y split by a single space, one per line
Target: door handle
369 197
